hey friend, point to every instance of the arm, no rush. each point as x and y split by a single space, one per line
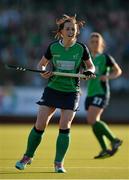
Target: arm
90 68
114 73
44 62
115 69
42 65
89 65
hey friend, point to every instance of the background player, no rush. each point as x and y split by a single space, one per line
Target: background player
99 93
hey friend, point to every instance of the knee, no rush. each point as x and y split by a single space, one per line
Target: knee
41 125
65 125
91 120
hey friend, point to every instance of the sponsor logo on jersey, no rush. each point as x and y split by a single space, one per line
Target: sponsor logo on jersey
56 55
65 65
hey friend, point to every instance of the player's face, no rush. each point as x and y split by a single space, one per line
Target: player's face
96 44
69 31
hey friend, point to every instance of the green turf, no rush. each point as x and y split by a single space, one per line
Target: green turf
79 161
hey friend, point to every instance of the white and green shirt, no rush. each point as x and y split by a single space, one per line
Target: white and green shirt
103 64
66 60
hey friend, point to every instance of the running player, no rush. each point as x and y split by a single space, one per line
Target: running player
66 55
99 93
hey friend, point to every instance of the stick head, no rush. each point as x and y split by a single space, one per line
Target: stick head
7 66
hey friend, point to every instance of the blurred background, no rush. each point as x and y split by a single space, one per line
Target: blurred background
26 29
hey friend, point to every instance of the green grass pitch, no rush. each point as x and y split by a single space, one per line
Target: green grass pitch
79 161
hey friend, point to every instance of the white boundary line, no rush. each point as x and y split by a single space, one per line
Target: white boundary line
74 167
50 167
70 179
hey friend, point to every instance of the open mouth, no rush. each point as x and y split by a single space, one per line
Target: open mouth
70 35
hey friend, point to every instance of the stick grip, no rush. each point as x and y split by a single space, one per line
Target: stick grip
69 74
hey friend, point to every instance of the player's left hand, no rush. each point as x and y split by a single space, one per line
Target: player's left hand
89 75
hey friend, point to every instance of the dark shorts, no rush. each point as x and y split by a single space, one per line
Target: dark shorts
59 99
100 101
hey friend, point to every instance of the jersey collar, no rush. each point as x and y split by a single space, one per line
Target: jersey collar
95 55
61 43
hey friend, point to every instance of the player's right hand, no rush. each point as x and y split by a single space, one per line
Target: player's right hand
89 75
46 74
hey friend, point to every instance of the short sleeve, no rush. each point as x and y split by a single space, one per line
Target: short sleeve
110 61
48 54
86 54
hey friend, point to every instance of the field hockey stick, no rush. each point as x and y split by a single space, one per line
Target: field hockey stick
19 68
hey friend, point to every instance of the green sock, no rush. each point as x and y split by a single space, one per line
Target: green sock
100 129
34 140
97 132
106 131
62 144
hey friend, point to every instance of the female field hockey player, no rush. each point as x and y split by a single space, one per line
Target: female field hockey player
66 55
98 94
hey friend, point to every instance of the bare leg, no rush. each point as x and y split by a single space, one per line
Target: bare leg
44 115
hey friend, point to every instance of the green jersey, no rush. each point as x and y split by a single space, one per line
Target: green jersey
66 60
103 64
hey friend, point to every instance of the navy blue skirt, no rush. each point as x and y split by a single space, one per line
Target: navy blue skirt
59 99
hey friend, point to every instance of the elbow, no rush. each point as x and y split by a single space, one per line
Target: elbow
120 72
92 68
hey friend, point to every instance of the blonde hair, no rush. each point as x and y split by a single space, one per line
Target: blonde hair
61 21
98 35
